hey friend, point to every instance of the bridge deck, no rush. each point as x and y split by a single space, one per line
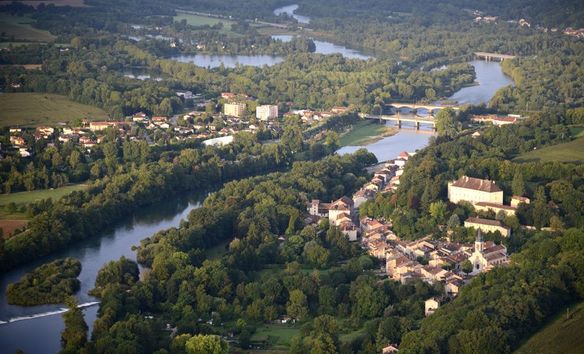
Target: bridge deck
402 119
494 55
414 106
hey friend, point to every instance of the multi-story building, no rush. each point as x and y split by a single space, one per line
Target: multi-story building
487 225
234 109
474 190
267 112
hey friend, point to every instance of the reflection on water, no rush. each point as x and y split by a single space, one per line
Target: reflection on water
407 139
490 78
323 47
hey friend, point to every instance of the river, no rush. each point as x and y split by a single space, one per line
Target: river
290 11
212 61
231 61
38 329
489 78
324 47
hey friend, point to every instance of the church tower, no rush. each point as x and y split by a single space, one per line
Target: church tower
479 243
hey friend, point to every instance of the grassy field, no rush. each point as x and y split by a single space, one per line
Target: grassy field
31 109
23 198
199 20
8 226
24 66
566 152
577 131
366 132
560 336
277 335
19 28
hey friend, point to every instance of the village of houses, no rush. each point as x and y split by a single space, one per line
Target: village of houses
442 259
212 129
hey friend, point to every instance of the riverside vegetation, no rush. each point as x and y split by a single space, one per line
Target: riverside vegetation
51 283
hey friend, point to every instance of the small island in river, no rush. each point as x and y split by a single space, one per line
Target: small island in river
50 283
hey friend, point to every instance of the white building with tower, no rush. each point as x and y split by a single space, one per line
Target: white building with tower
486 255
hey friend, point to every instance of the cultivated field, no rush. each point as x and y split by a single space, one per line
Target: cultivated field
31 109
561 336
8 226
567 152
19 28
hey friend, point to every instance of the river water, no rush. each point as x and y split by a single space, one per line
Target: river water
212 61
290 11
38 329
489 78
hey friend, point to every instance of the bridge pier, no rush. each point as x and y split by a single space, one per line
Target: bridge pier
417 125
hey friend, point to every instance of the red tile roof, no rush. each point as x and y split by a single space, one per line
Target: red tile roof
484 185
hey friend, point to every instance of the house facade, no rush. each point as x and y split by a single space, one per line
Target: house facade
234 109
487 225
267 112
474 190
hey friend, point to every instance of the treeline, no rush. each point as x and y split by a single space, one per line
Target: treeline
51 283
500 309
427 12
248 41
84 214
